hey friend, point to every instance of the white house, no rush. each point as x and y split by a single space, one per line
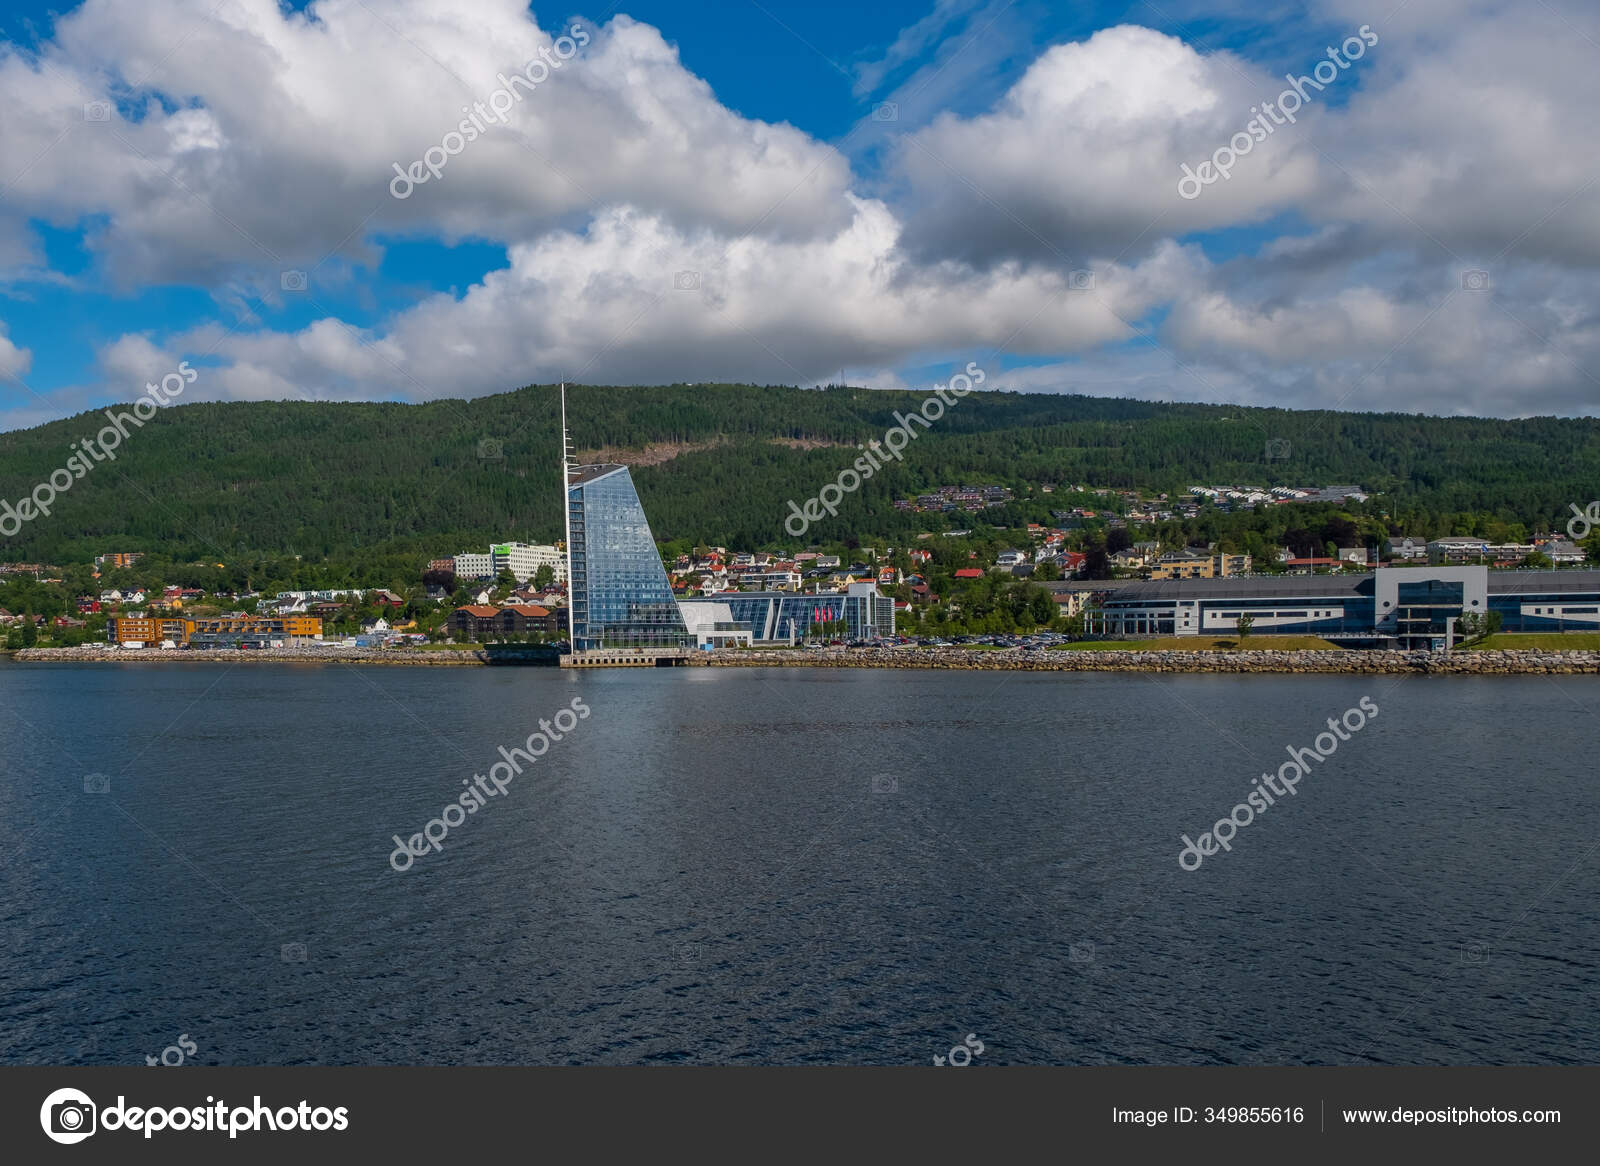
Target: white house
1406 548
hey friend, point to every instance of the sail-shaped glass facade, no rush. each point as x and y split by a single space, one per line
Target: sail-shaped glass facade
619 593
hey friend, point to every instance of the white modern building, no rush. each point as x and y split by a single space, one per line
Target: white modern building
523 560
470 566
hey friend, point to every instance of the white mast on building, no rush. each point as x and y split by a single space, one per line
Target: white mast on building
566 511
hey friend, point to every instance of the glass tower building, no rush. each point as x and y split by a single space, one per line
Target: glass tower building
619 594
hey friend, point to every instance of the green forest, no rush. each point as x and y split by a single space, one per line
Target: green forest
388 482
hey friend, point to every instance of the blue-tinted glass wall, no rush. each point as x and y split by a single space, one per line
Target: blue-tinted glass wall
620 595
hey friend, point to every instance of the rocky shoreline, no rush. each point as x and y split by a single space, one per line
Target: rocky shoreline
1485 663
1498 662
104 654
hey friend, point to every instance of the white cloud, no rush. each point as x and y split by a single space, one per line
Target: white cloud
288 125
1085 151
603 306
249 138
14 361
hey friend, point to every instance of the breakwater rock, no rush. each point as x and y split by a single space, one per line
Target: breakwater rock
297 654
1473 663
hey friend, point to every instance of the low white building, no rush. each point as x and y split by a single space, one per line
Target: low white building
712 626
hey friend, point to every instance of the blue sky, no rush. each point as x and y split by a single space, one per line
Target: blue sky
888 191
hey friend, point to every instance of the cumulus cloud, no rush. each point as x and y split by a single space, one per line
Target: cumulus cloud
1085 152
14 361
634 298
249 136
655 235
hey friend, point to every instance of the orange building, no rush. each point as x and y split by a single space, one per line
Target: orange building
232 630
118 561
140 629
224 632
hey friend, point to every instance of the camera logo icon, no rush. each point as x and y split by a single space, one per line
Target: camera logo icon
885 783
68 1116
1080 281
490 449
1475 280
1277 448
686 281
97 111
96 783
886 111
292 281
292 953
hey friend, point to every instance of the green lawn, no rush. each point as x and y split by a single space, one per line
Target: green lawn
1543 641
1205 644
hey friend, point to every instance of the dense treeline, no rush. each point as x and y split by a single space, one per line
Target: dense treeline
392 482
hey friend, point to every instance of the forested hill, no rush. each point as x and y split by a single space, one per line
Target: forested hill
718 463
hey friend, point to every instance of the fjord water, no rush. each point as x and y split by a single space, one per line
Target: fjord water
792 866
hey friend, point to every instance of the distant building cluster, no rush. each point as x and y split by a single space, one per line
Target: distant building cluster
1230 496
117 561
714 569
947 498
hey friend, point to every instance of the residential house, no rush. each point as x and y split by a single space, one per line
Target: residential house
1562 552
1406 548
1311 565
1457 549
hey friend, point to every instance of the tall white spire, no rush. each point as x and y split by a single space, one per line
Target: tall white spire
566 505
566 443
